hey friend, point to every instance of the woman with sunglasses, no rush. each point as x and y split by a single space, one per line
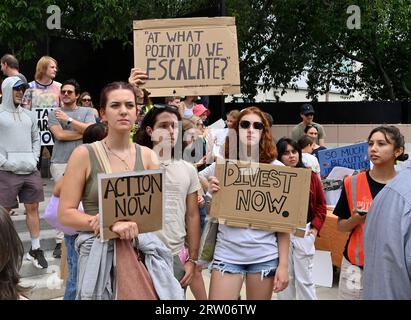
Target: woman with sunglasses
119 111
301 256
84 100
260 257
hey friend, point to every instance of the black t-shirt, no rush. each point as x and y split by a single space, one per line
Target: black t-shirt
342 210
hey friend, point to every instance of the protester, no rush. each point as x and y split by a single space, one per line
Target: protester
387 258
10 67
385 146
172 101
67 125
302 249
202 112
119 111
94 132
43 93
11 257
306 144
186 107
260 257
307 114
19 153
84 100
160 131
312 131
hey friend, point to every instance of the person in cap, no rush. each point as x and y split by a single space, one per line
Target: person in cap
307 114
19 154
200 111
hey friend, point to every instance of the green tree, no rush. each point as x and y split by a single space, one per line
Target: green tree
281 40
24 23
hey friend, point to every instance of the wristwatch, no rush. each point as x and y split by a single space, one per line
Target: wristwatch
70 120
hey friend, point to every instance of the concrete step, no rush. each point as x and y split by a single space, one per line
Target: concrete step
44 287
19 222
28 270
47 240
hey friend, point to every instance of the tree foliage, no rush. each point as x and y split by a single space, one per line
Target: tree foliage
281 40
24 23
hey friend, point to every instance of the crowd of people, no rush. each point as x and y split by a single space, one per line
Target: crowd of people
126 132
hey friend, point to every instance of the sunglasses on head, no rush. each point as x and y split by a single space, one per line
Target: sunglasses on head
245 124
164 106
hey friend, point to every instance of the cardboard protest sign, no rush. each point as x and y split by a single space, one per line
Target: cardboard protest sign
353 156
42 114
188 56
261 196
135 196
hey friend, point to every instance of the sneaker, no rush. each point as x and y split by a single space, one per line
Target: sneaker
37 257
57 251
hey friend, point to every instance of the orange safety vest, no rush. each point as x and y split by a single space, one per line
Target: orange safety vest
358 196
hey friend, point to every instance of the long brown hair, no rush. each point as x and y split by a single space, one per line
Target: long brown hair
11 257
267 149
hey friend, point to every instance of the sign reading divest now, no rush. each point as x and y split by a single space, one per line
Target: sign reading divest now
261 196
135 196
42 114
189 56
353 156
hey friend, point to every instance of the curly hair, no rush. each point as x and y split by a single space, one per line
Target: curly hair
267 149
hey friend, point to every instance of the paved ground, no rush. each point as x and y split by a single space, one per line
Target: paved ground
323 293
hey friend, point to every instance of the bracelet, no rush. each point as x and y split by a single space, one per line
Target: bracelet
192 260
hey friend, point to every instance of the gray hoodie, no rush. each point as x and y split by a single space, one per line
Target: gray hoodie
19 135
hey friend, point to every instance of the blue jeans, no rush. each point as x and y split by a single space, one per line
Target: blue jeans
267 269
72 257
203 213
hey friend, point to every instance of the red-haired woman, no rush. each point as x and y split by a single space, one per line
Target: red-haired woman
260 257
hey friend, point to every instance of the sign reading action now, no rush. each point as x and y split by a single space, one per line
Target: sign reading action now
135 196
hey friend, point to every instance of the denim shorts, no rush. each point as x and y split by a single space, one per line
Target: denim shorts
267 269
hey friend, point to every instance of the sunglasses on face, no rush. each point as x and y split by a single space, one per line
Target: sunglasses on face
245 124
67 91
85 99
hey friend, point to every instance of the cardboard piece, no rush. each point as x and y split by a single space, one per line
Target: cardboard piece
323 269
188 56
136 196
42 114
331 239
353 156
261 196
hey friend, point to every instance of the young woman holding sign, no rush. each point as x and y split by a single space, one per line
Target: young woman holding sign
385 146
160 131
302 249
119 111
256 255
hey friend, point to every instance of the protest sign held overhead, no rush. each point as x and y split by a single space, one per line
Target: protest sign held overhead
134 196
191 56
42 114
353 156
261 196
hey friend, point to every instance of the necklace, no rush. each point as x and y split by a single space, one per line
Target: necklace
121 159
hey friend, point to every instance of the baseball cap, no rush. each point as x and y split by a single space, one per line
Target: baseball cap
307 109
